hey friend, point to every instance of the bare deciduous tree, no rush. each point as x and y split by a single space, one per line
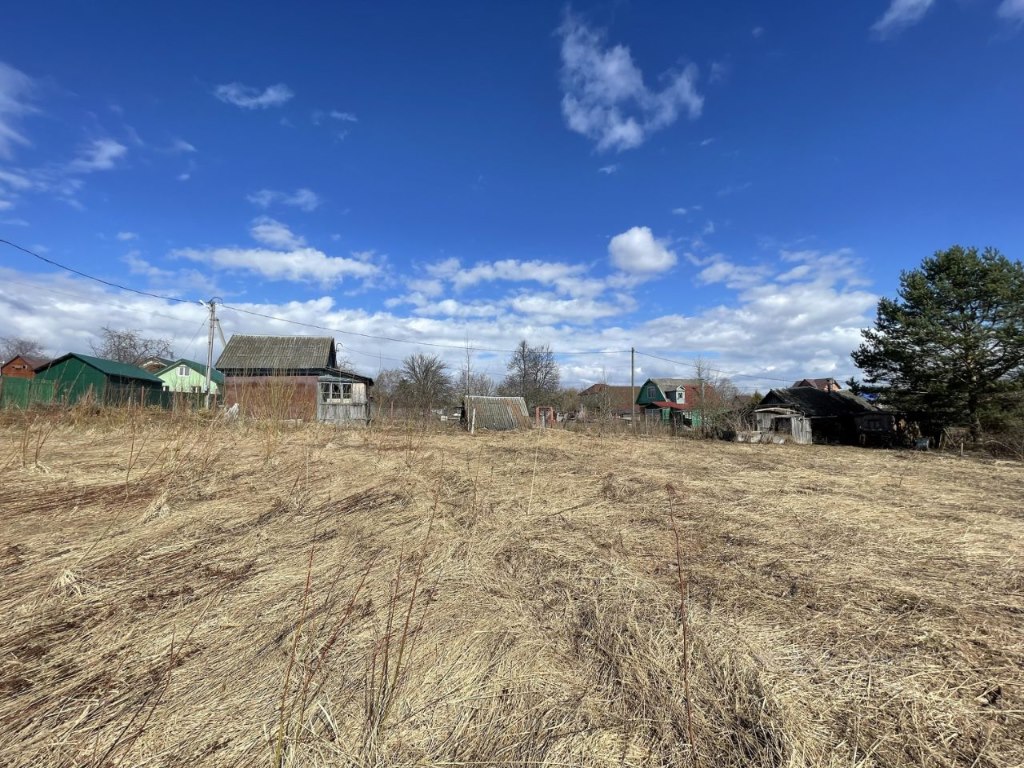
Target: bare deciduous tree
425 381
532 374
11 347
717 396
130 346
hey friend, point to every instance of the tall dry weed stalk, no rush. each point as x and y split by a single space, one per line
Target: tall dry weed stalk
684 620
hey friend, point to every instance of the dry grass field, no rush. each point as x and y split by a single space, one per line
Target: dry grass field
176 593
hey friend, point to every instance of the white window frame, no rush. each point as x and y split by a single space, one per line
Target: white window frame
183 371
335 391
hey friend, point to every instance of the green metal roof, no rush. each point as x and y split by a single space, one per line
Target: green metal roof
108 367
216 376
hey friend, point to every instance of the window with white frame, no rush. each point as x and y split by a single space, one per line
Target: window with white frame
183 370
335 391
652 392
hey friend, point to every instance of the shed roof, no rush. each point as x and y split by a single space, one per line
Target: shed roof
216 376
817 403
497 412
277 353
616 395
104 366
817 383
30 360
673 383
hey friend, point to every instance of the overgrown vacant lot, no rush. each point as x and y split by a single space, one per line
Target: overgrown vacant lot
179 594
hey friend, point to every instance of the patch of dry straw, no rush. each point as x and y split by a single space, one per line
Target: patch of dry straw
193 593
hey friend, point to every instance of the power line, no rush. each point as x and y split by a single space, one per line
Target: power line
693 364
91 277
433 345
83 297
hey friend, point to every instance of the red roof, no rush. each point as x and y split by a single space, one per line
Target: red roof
674 406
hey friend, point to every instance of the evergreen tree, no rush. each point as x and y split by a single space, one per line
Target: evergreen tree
953 341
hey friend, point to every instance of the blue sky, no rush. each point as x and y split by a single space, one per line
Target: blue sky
739 182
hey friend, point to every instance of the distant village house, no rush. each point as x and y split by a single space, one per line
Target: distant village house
673 401
22 366
189 376
292 377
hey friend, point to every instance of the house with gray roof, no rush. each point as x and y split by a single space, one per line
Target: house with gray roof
292 377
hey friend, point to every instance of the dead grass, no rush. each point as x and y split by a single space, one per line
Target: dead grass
187 592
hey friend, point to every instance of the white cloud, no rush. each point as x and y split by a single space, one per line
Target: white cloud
275 234
719 269
604 94
6 205
345 117
549 308
757 31
709 228
707 142
16 89
299 265
302 198
126 236
248 97
16 181
680 211
184 176
732 189
1012 11
637 252
98 155
180 146
608 169
561 275
900 15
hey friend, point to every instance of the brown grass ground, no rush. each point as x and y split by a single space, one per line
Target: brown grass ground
176 594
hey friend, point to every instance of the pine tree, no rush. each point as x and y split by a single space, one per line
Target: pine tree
953 340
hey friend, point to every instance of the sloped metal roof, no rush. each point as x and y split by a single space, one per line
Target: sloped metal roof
277 353
498 413
108 367
673 383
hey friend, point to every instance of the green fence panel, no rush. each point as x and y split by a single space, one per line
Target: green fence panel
24 393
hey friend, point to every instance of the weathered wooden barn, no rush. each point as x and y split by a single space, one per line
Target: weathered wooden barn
807 414
292 377
494 413
78 378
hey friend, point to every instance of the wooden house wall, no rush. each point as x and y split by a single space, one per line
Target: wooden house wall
273 397
353 410
18 368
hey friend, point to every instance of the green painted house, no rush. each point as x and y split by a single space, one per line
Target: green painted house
675 401
189 376
78 377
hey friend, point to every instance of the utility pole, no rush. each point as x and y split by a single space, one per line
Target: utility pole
212 305
632 389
